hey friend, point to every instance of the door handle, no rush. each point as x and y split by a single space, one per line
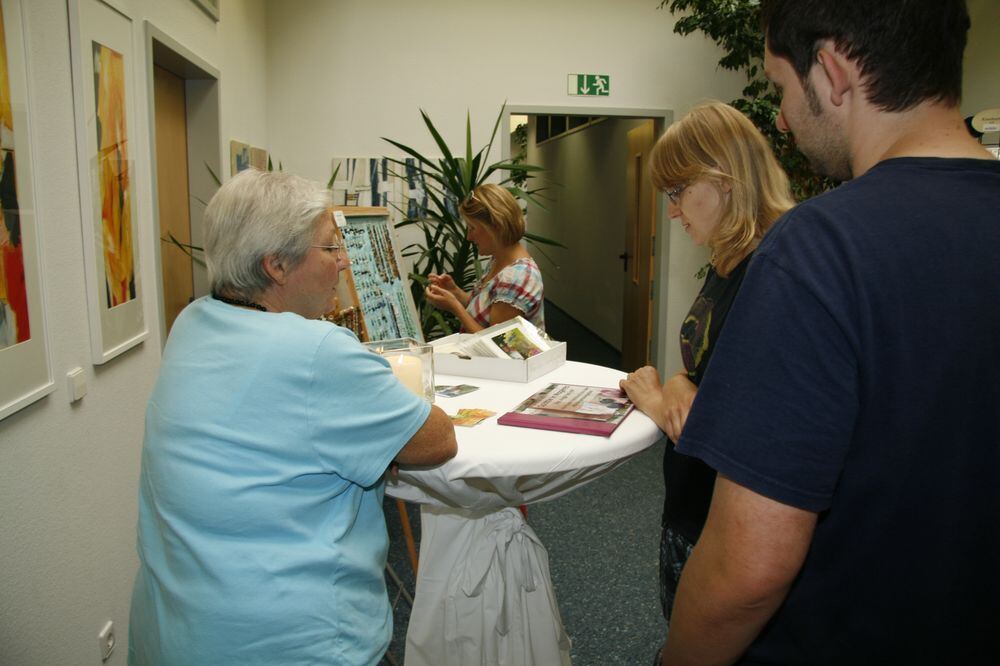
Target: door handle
624 256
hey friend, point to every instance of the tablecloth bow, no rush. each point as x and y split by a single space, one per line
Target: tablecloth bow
512 552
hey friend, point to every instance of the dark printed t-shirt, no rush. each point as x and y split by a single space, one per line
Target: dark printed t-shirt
688 481
859 377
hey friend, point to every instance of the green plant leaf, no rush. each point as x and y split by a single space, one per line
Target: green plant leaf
410 151
469 183
187 249
215 178
542 240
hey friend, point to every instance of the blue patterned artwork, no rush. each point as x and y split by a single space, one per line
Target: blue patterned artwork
383 293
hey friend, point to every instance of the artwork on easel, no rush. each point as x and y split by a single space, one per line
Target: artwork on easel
384 307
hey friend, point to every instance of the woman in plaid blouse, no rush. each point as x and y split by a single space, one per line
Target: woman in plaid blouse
512 283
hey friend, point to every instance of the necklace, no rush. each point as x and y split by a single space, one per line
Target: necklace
237 301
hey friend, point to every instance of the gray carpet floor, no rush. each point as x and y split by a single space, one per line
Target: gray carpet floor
602 541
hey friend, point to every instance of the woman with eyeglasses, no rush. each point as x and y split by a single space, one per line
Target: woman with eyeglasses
261 537
726 189
511 285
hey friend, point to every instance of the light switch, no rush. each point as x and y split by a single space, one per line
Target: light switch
76 381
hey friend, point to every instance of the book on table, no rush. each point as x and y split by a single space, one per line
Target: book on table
591 410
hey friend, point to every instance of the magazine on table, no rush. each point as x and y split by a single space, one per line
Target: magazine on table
516 338
591 410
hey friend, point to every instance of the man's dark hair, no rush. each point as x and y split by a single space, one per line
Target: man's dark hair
908 51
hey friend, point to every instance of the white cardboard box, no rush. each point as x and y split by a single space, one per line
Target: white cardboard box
505 369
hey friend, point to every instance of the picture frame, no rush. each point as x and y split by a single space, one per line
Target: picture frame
210 7
25 365
103 60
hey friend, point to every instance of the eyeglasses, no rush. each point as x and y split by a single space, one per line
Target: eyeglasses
331 248
675 194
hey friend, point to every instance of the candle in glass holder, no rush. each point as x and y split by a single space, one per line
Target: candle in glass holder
409 370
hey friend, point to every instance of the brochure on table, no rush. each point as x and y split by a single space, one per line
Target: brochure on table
590 410
511 351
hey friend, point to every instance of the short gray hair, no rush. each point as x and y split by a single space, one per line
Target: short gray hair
256 214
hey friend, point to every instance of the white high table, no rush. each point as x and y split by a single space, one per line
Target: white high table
483 593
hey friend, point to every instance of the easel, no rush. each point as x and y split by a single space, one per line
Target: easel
382 307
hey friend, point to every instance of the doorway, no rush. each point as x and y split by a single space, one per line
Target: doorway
184 121
603 208
640 240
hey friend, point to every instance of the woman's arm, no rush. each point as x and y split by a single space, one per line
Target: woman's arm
448 301
433 444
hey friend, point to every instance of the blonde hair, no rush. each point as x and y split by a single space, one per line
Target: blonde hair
496 208
714 141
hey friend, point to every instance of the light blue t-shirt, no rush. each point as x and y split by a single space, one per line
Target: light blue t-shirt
261 533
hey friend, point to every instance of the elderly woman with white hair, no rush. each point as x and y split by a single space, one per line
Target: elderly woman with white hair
268 433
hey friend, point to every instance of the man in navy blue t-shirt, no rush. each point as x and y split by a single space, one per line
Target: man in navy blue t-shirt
852 405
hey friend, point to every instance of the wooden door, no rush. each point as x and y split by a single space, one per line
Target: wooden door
172 191
638 255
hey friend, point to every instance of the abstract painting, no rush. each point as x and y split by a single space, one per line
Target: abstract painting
15 324
25 369
113 167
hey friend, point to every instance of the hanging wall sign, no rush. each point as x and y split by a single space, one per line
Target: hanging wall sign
588 85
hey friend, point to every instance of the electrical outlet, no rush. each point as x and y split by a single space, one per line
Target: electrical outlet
106 640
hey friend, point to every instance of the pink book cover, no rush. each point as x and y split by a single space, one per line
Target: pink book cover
589 410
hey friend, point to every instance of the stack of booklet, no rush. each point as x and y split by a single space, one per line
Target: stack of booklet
516 338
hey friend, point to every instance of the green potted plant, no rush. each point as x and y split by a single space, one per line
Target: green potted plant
444 248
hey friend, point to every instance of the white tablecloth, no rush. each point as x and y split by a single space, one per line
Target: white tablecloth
483 593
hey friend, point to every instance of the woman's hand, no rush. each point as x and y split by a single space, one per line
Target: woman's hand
667 404
446 283
443 299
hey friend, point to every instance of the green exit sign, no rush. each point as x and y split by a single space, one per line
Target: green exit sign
588 85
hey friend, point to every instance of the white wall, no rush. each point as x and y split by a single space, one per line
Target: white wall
343 74
68 473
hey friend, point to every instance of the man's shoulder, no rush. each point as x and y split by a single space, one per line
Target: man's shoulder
893 192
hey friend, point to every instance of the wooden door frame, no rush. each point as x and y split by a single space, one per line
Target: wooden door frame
201 83
662 118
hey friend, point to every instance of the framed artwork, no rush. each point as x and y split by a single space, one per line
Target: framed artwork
25 370
210 7
103 59
239 156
